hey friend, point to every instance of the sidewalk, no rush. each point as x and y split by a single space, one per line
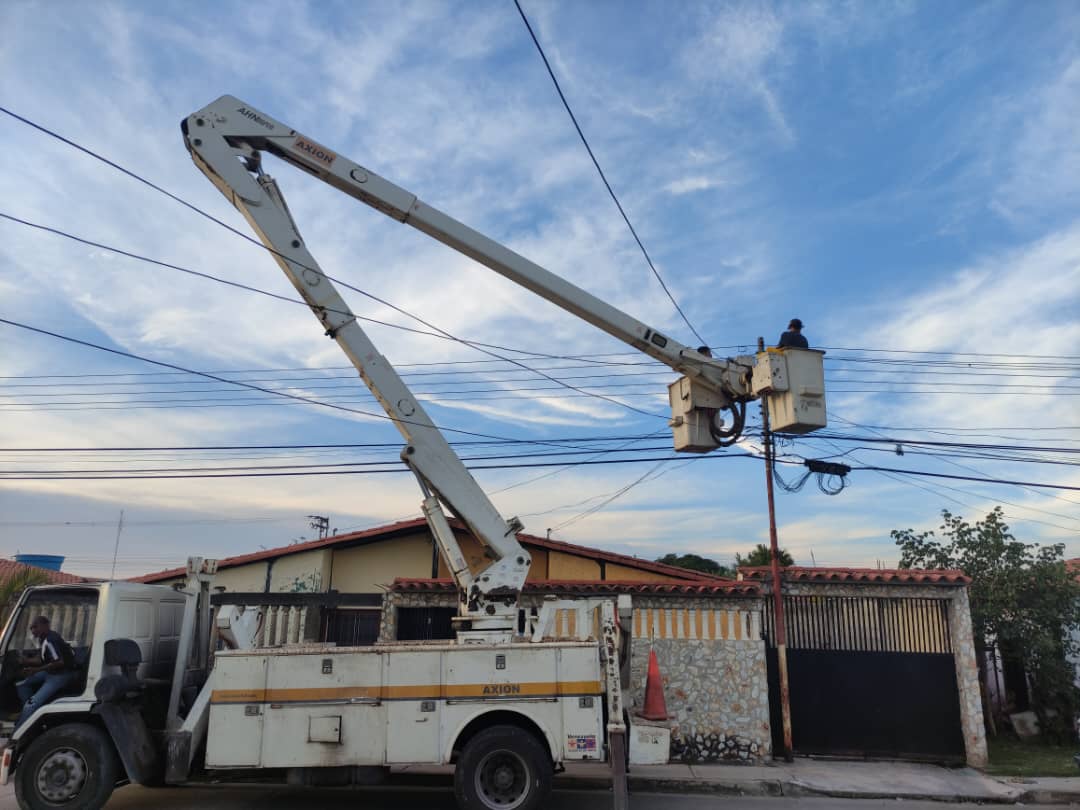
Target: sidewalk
810 777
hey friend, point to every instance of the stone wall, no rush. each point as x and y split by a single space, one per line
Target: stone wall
717 697
712 664
967 680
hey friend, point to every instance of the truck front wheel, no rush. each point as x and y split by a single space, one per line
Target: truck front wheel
503 768
73 766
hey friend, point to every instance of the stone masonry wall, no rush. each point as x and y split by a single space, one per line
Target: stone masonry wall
717 697
712 664
967 680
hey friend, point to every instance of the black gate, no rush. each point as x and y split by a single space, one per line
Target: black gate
868 676
350 627
425 624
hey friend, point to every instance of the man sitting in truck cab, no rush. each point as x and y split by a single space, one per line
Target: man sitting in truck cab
48 672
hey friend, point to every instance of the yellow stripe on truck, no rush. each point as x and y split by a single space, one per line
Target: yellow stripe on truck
417 692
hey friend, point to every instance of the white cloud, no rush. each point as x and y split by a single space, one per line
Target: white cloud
687 185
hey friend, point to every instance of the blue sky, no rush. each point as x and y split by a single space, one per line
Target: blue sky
902 176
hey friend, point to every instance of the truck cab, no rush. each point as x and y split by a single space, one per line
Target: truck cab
121 633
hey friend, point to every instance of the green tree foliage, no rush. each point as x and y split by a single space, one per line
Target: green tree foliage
12 587
1023 599
761 556
696 563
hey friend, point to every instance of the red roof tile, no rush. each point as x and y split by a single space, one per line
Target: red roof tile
10 568
406 526
890 576
689 588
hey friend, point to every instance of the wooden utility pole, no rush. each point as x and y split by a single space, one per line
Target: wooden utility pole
778 597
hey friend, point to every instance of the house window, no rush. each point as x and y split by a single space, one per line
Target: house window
424 624
351 627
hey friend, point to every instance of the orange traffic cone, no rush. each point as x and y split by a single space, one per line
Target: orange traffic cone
655 708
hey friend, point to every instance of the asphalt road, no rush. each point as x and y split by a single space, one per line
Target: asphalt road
400 798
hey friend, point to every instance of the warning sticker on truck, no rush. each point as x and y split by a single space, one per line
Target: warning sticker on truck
584 742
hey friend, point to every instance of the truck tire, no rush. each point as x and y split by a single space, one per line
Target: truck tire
72 766
503 768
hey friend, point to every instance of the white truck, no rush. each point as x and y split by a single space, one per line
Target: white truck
506 701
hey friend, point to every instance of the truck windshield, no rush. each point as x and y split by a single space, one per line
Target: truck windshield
71 613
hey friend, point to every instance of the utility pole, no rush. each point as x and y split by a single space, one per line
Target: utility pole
320 523
778 596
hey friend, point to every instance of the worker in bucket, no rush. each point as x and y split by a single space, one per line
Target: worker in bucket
793 337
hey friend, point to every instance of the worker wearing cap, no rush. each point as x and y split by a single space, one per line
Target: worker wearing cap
793 338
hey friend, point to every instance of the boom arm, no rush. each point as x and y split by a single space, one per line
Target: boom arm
226 140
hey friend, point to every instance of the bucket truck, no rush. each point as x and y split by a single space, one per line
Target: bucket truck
506 701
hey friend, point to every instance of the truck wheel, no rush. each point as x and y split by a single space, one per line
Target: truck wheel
71 766
503 768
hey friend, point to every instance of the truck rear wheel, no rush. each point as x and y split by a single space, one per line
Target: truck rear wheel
503 768
71 766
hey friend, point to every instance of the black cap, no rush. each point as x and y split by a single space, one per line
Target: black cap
795 324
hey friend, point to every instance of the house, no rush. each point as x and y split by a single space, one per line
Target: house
390 583
351 572
10 570
886 655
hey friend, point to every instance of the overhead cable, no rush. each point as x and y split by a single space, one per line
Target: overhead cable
603 177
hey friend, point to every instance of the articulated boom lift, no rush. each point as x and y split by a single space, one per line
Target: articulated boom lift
227 140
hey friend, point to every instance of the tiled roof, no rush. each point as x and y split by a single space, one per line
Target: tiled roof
10 568
889 576
689 588
407 526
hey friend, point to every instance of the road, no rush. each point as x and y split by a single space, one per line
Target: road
401 798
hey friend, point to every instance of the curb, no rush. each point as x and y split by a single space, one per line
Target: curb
794 789
763 787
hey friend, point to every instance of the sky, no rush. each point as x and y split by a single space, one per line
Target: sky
904 177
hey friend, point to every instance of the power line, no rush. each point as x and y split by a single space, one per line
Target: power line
388 445
271 250
954 354
438 331
242 384
603 177
614 496
380 462
388 470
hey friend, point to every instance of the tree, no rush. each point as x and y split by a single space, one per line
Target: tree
12 587
696 563
1023 599
762 556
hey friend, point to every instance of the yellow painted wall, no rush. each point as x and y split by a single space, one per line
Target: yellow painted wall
624 574
368 569
243 578
307 571
541 564
570 567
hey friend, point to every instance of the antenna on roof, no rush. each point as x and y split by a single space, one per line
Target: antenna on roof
116 546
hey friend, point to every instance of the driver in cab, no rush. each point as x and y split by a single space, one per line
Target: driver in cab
47 672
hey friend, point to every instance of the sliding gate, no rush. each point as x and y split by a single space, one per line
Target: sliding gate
868 677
